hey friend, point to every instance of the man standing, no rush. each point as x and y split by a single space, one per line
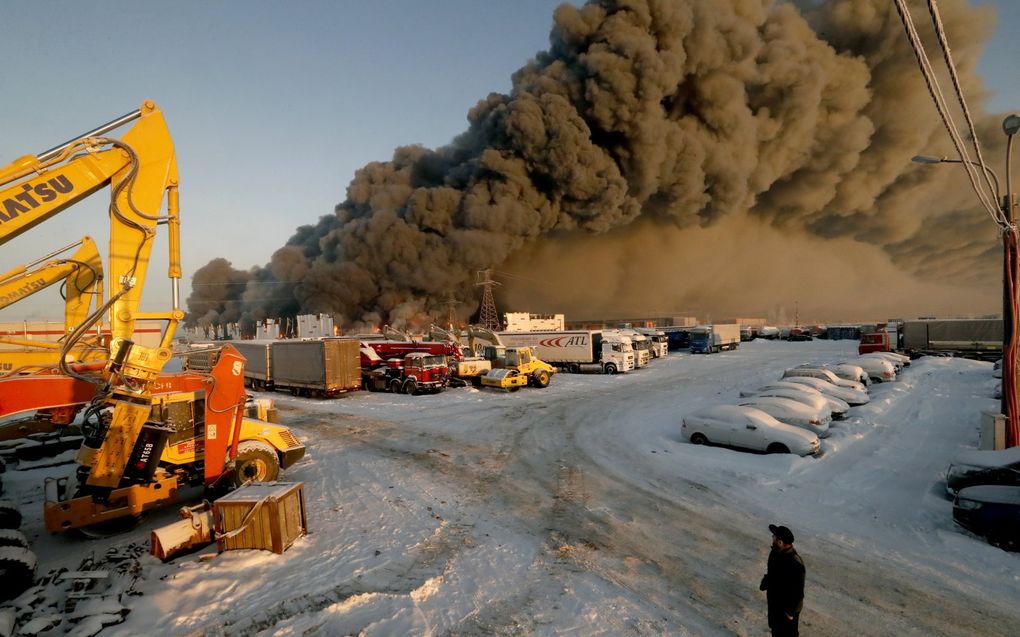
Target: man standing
784 584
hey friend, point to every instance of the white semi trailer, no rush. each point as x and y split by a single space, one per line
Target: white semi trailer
577 350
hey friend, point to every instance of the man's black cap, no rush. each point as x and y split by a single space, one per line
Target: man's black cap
781 532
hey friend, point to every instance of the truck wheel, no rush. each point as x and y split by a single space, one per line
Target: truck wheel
410 387
610 369
395 386
10 537
10 517
17 571
1006 537
540 378
256 461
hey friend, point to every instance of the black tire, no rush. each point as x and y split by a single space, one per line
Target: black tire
410 387
777 447
1006 538
110 528
10 517
513 388
395 386
17 571
540 379
256 461
10 537
610 368
699 439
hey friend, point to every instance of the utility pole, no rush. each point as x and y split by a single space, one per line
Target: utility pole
487 316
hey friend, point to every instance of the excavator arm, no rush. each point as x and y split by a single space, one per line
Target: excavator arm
140 168
81 274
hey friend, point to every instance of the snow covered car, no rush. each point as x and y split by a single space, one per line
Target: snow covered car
992 511
899 360
849 371
823 374
747 428
838 406
792 413
878 369
981 466
804 396
852 397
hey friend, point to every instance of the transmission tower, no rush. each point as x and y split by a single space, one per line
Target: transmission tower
487 315
450 303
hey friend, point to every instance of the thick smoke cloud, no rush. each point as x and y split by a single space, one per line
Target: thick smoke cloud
646 127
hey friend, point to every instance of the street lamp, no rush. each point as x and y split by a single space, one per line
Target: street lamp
1010 404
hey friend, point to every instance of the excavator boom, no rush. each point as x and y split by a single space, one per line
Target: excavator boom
81 273
140 168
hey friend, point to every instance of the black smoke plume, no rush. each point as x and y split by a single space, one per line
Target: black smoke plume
664 155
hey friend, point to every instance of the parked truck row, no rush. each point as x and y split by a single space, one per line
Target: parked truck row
968 338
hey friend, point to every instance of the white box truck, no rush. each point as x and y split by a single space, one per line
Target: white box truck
577 350
708 339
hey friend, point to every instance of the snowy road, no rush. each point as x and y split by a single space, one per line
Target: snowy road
579 510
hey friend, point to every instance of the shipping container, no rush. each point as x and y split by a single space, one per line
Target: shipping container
321 368
970 338
258 367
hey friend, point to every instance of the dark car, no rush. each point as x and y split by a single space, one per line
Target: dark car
992 511
984 467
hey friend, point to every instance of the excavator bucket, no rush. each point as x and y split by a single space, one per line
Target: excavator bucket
193 531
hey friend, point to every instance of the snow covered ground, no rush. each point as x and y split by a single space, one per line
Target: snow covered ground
579 510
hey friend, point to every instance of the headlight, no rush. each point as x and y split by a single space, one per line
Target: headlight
968 505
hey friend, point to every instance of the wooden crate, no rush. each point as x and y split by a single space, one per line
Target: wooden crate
269 516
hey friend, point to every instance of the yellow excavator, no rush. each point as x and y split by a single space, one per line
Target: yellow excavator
81 276
147 434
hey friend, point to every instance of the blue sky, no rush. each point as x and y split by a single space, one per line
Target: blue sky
272 105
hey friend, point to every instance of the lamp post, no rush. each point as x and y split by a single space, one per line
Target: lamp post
1010 280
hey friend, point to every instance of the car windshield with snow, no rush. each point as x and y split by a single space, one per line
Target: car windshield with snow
823 374
805 396
792 413
878 369
838 406
898 360
852 397
981 466
747 428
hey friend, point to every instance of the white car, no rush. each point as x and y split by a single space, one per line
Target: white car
747 428
849 371
899 360
792 412
838 406
802 394
879 369
823 374
851 396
